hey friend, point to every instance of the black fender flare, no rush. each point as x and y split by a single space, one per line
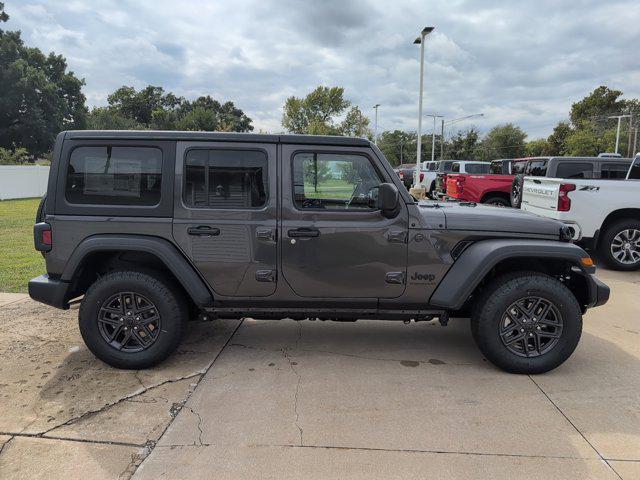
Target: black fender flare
164 250
478 259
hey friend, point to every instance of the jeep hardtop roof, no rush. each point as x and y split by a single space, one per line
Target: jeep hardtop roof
214 137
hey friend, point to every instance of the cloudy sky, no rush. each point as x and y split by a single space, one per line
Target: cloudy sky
515 61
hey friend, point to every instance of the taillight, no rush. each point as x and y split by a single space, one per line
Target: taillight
564 202
421 176
42 237
401 175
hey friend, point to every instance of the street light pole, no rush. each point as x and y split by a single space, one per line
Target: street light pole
425 31
375 131
619 117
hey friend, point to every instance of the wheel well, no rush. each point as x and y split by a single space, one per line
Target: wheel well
487 195
563 270
97 264
623 213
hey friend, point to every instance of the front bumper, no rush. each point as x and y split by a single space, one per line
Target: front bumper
50 291
598 291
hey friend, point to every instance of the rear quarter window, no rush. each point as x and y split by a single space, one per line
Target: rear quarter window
112 175
574 170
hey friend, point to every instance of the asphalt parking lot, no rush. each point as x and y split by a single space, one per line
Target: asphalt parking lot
269 399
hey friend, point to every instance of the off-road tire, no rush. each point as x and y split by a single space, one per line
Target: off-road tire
497 201
516 191
607 238
168 301
499 295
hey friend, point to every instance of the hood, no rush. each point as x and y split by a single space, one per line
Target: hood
478 217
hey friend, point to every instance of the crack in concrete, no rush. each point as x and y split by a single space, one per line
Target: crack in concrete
575 427
434 451
292 364
180 406
71 439
201 432
5 444
109 405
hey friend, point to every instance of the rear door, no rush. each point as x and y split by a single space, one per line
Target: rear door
225 214
334 244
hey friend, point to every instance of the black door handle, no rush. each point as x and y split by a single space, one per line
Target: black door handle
304 233
204 230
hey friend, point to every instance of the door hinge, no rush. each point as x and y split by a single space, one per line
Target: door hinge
397 236
395 277
266 275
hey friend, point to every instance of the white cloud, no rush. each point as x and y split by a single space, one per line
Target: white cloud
524 62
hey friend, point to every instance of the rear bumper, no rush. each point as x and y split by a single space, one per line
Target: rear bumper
598 291
49 291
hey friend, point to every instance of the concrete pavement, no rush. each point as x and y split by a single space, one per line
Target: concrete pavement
284 399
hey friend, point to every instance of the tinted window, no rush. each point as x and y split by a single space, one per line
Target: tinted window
445 167
574 170
103 175
477 168
634 173
225 178
455 168
614 171
518 167
333 181
496 168
537 168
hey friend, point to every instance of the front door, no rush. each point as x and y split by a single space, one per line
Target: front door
225 214
334 243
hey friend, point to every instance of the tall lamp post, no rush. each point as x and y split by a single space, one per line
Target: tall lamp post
619 117
420 40
375 130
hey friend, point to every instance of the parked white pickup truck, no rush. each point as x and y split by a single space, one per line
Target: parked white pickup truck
603 214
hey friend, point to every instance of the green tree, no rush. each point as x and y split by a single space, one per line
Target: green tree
3 15
536 148
105 118
398 146
502 141
463 145
597 106
590 141
557 141
38 96
318 112
140 106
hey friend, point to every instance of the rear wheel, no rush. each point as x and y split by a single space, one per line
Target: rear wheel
526 322
497 201
619 245
132 320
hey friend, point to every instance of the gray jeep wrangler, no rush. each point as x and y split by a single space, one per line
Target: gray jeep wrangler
148 229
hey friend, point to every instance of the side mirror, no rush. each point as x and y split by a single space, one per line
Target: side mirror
388 200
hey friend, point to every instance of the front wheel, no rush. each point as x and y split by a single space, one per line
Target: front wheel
526 322
132 320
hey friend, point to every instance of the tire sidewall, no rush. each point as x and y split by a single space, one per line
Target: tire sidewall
488 321
171 310
516 192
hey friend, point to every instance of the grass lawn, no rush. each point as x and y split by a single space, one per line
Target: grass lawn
19 262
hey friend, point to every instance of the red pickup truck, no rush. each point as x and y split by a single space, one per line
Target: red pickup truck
493 188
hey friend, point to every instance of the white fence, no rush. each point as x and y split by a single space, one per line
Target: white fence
18 181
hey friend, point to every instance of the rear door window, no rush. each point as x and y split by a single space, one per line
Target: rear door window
574 170
110 175
495 168
455 168
634 173
220 178
518 167
477 168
